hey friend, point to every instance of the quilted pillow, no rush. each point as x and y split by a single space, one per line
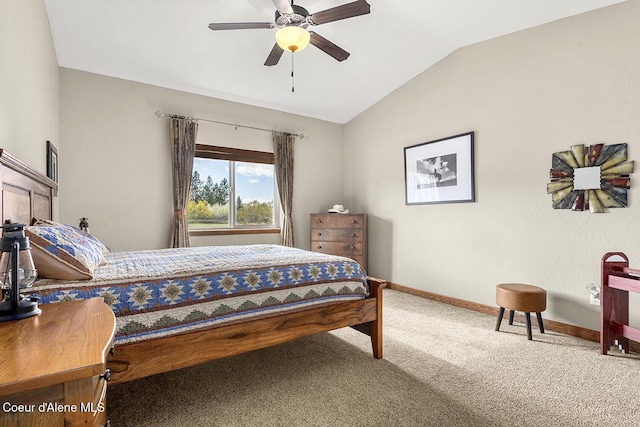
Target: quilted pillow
62 252
91 240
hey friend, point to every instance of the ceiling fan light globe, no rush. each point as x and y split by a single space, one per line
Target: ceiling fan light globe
292 38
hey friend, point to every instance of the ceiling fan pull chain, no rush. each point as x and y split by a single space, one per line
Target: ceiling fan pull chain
292 80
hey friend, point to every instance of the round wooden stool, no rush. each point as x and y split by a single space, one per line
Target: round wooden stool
518 297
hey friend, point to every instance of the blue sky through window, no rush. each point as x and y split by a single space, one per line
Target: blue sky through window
254 181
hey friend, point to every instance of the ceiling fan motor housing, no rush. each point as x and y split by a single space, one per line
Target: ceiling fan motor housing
298 17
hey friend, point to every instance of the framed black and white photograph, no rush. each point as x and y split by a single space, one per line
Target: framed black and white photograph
440 171
52 161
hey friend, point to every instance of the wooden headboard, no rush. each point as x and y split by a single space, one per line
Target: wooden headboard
26 193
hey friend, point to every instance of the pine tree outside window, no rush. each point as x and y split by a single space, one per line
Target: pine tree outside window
232 190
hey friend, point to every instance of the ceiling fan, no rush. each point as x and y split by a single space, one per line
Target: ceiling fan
292 22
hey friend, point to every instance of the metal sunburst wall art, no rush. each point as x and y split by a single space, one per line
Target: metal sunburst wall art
590 178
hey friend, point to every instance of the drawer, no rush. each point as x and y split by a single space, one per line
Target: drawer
337 221
337 234
32 414
337 248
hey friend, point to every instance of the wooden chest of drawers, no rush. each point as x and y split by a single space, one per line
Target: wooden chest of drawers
340 234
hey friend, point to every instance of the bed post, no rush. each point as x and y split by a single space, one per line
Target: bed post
375 287
375 327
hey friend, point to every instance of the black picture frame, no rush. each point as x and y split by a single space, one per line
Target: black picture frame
52 162
440 171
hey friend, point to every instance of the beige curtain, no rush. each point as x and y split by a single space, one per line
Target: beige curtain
283 157
183 149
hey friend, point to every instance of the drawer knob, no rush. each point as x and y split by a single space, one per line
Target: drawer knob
319 246
112 350
353 248
106 375
353 235
319 234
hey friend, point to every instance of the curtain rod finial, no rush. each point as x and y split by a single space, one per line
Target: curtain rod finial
301 136
158 114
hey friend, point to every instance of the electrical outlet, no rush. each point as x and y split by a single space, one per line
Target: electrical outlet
594 300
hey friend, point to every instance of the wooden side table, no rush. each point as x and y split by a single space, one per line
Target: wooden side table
617 280
53 366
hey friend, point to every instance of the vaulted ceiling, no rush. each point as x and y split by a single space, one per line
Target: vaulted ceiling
168 43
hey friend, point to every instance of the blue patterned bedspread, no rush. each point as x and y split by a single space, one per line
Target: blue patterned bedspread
164 292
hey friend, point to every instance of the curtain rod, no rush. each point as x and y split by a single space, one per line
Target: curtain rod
159 114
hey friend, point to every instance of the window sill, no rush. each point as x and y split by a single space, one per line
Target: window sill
228 231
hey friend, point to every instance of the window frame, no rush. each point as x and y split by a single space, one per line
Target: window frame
238 155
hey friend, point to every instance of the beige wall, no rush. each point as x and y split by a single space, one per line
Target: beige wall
118 166
28 82
526 96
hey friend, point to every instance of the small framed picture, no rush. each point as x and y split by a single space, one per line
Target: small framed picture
440 171
52 162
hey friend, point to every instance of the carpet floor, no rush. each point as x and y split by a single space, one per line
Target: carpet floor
442 366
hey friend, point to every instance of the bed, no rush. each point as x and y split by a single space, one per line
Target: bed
206 305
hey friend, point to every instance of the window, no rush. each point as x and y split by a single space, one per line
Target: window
232 190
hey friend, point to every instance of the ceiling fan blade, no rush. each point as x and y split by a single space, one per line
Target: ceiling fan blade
240 25
283 6
274 56
349 10
338 53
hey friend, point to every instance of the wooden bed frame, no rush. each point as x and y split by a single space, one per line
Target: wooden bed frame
27 194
